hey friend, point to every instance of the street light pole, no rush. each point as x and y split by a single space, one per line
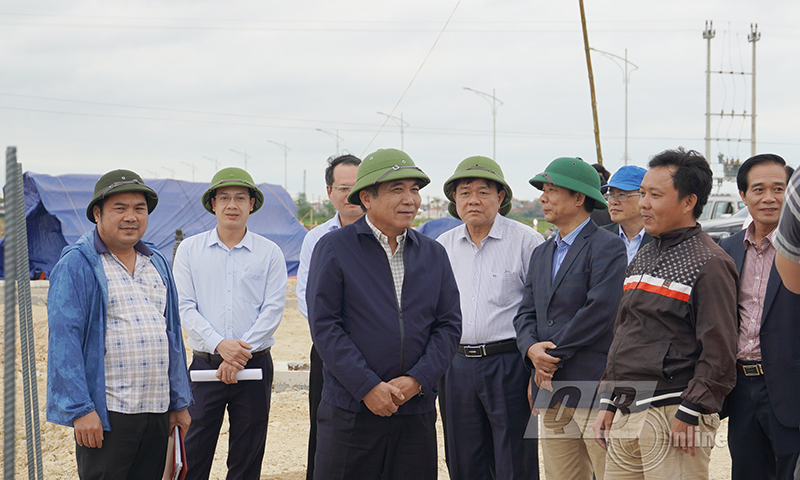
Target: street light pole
335 136
753 38
192 166
244 154
626 78
494 103
708 34
216 162
285 163
402 123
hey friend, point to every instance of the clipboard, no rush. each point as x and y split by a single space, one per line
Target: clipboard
175 468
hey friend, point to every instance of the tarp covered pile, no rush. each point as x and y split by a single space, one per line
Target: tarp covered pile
55 212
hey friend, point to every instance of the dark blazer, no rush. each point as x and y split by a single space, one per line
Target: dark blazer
357 327
577 309
614 228
780 338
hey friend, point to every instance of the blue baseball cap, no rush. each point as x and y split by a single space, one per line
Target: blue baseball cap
626 178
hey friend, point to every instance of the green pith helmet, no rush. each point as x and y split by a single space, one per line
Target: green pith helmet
121 181
232 177
477 167
574 174
384 165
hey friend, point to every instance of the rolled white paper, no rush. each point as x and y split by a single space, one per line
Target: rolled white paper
211 375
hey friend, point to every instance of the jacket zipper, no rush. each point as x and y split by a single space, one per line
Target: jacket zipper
402 340
645 271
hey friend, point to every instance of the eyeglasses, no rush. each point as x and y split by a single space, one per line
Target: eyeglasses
343 189
620 197
225 198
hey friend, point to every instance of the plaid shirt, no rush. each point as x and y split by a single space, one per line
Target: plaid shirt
137 350
395 259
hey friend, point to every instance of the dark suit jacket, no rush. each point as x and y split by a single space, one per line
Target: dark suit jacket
577 309
614 228
780 339
359 330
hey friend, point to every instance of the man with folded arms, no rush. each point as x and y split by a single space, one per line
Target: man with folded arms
487 407
232 285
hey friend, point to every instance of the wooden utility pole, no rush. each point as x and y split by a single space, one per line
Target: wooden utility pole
591 85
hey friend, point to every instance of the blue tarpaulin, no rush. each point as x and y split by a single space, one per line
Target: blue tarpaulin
436 227
55 212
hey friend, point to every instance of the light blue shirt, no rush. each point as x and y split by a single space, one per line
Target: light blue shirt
633 245
309 242
563 244
491 279
230 293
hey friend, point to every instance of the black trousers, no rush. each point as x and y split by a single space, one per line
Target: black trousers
365 446
248 404
315 381
487 413
761 447
135 448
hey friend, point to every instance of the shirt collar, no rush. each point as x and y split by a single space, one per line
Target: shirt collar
750 236
495 232
572 235
336 222
497 228
101 247
625 237
383 238
245 242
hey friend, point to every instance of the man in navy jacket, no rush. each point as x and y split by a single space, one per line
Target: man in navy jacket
565 321
385 317
763 435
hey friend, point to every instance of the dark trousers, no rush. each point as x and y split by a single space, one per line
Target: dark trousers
487 413
365 446
135 448
248 404
761 447
315 381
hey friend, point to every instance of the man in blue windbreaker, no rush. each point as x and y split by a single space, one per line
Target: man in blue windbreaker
116 366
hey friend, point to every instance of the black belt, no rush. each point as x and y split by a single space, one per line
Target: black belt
479 351
213 357
752 370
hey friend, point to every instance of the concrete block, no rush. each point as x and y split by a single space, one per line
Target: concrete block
290 375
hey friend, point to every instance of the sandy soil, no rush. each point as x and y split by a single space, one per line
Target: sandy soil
287 437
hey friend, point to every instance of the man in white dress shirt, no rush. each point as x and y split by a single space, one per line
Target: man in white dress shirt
486 409
232 288
340 176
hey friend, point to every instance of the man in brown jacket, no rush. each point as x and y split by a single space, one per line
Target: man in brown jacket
673 357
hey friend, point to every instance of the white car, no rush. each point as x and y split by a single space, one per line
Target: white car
720 206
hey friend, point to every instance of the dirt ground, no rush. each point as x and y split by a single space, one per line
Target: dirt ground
287 437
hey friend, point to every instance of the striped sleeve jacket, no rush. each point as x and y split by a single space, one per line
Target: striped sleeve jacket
676 326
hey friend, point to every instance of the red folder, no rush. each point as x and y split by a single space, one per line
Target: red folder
175 469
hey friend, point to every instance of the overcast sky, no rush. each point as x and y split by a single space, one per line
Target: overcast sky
156 86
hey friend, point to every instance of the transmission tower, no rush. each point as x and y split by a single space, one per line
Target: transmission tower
753 37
